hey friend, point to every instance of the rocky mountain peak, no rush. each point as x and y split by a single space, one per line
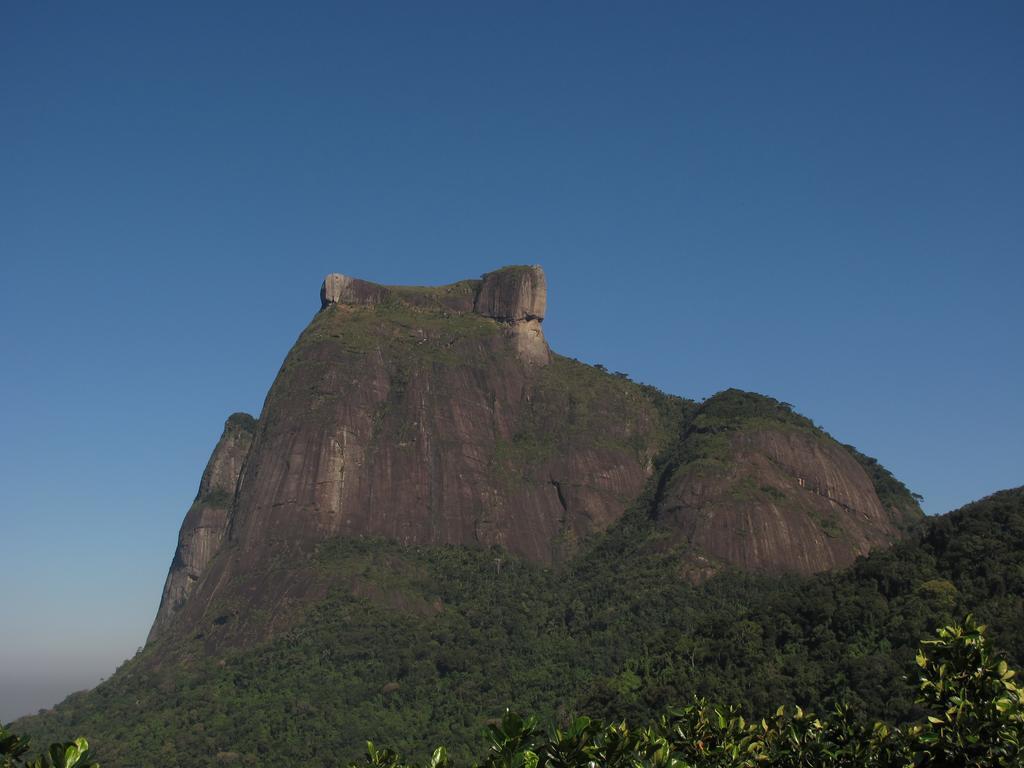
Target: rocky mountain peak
509 294
515 296
342 289
518 296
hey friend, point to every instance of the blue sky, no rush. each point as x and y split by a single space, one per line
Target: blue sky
823 203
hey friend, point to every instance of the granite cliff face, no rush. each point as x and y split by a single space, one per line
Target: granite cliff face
439 416
207 519
759 487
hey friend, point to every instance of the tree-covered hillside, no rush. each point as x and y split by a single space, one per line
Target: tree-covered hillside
420 646
973 715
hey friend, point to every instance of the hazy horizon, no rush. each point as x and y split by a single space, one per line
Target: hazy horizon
821 204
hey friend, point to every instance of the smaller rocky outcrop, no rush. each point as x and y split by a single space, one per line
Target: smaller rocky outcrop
760 487
207 519
342 289
513 294
518 297
529 342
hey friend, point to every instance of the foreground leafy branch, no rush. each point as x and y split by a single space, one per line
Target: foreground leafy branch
72 754
975 719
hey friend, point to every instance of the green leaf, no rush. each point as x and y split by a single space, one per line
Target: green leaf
71 755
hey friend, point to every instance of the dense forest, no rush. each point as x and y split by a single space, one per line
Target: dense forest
427 645
973 716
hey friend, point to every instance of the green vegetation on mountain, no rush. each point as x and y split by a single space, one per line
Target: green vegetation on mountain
242 421
578 398
402 331
893 494
419 646
974 716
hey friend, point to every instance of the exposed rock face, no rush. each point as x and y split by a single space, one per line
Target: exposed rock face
342 289
513 293
519 297
770 492
529 342
207 519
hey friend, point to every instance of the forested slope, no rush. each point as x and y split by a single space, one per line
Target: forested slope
416 646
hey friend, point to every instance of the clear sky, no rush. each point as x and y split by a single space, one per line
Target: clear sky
822 202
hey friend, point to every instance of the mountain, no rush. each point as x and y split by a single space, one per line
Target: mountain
439 416
435 517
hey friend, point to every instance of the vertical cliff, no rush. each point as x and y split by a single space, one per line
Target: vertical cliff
207 519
